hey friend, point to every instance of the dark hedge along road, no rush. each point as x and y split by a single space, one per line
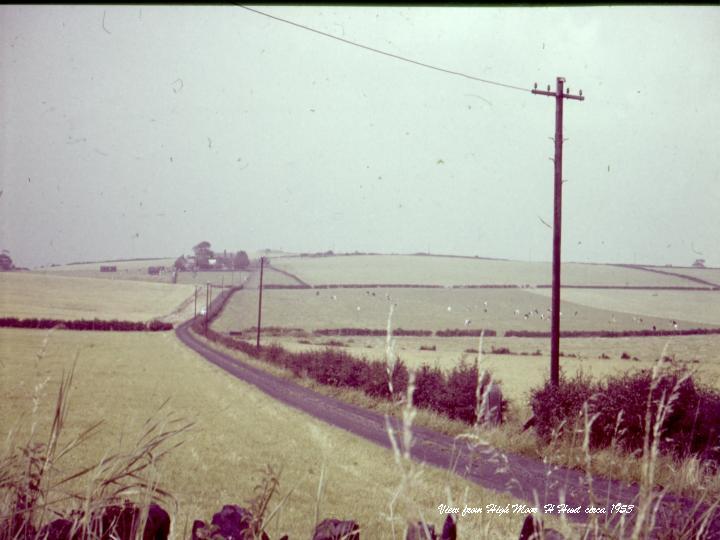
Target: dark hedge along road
533 482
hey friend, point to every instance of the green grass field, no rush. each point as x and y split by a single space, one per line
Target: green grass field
26 295
437 309
708 274
216 278
122 379
446 271
693 308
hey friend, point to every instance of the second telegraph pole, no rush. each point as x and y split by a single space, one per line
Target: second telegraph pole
257 341
560 94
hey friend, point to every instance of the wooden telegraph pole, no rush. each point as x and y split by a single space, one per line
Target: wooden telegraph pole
207 305
257 340
560 94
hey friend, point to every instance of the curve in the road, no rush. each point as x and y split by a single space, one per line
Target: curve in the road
529 480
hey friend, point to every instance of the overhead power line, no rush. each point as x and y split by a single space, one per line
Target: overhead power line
378 51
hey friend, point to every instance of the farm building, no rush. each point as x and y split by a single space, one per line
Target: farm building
107 268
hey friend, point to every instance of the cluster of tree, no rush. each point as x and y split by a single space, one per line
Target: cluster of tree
204 258
6 262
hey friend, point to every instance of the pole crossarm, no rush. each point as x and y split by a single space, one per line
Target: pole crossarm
579 97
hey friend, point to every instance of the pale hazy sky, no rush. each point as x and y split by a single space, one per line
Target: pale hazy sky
137 131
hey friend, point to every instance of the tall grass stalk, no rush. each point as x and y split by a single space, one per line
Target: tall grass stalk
402 442
35 487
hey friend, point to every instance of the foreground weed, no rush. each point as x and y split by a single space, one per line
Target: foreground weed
35 488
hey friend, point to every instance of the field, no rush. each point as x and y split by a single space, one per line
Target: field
123 379
126 270
448 271
138 271
694 308
519 373
436 309
498 309
708 274
216 278
26 295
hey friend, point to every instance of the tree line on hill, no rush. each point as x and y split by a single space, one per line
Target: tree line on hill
204 258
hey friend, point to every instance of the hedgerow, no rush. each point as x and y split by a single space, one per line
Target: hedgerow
452 394
613 333
689 418
84 324
369 332
465 332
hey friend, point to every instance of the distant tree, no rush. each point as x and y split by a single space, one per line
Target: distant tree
699 263
181 263
240 260
203 254
5 261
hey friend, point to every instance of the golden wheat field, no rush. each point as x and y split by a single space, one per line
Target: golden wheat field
123 379
135 270
30 295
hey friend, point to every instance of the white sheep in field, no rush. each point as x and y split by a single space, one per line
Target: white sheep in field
467 322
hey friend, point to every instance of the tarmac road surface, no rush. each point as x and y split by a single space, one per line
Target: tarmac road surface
529 480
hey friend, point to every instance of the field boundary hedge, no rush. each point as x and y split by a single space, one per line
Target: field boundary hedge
450 394
490 286
668 273
612 333
479 286
285 273
98 325
391 286
466 332
634 287
377 286
370 332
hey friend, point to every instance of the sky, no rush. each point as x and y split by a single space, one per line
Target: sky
139 131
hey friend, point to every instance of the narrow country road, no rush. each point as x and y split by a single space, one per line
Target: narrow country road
529 480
